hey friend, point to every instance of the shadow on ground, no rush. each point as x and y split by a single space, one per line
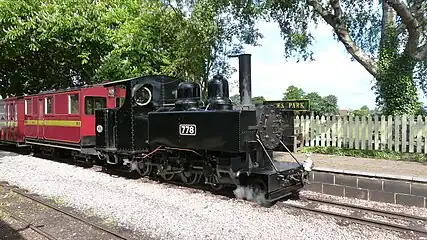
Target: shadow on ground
7 154
7 232
7 151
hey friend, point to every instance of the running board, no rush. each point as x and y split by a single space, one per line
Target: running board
54 146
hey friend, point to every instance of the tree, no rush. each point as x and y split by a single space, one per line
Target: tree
51 44
329 105
59 43
386 37
221 36
258 100
235 99
293 92
363 111
364 108
315 102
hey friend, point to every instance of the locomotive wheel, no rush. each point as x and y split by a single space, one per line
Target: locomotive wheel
167 176
143 169
259 190
217 187
88 163
190 178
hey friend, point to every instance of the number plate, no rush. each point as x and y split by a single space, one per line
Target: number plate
187 129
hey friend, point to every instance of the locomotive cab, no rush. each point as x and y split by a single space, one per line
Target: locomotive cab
118 130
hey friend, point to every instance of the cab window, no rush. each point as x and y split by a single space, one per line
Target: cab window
94 103
119 101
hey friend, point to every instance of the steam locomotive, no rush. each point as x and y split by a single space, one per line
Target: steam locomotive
165 128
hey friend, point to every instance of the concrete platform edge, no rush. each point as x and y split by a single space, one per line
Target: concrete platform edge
409 191
371 174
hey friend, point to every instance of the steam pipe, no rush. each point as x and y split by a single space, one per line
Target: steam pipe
245 81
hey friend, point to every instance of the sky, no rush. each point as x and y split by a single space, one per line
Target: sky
332 72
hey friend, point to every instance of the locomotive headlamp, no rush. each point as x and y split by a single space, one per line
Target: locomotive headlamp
308 163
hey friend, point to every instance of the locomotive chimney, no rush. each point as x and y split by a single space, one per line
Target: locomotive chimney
245 81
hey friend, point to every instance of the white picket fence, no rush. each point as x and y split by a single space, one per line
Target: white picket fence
370 133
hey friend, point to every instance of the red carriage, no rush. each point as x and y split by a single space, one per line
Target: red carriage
62 119
12 121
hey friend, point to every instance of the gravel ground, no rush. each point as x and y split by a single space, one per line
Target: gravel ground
170 212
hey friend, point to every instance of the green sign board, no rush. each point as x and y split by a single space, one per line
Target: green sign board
291 105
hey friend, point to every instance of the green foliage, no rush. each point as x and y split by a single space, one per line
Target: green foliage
364 108
318 105
329 105
315 102
293 92
51 44
58 43
363 29
396 90
258 100
235 99
363 111
389 155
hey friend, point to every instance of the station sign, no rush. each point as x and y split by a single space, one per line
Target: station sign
291 105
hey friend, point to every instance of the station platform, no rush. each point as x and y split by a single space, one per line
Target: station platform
380 180
359 164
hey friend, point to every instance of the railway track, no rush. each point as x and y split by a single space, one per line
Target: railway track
365 215
41 228
35 228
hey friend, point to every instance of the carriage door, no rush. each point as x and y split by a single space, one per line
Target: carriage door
40 119
13 121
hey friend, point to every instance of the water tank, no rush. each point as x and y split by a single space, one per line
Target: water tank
218 94
188 96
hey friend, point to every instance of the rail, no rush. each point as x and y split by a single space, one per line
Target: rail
50 206
358 214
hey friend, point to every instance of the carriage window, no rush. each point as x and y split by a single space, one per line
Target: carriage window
49 105
28 107
73 104
10 112
119 101
94 103
2 112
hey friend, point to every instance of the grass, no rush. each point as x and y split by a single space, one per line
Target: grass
389 155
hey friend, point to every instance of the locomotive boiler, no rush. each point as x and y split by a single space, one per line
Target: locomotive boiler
165 128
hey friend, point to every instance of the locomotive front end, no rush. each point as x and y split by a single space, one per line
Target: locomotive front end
268 179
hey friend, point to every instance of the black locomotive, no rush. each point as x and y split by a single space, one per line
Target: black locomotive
164 127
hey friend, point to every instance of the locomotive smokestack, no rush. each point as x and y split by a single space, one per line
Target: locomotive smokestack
245 81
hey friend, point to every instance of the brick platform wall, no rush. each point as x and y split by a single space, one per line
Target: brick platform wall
409 191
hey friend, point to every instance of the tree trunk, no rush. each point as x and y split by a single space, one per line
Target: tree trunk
396 90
